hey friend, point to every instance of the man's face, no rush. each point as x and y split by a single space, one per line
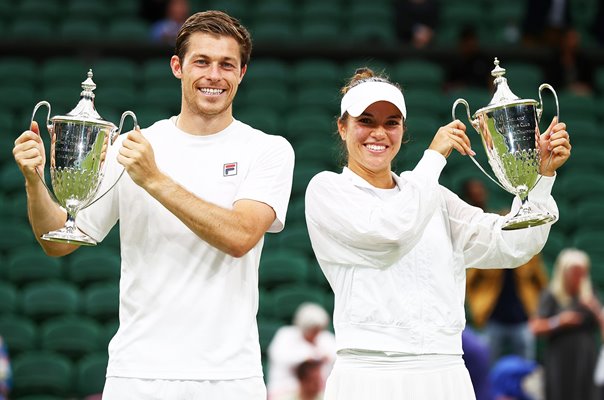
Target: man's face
210 74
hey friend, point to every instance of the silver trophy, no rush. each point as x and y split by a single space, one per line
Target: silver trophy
79 142
509 130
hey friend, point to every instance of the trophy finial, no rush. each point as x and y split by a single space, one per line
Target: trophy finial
497 71
88 85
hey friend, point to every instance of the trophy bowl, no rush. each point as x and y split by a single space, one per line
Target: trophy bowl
509 129
79 143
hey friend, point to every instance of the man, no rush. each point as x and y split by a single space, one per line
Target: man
201 190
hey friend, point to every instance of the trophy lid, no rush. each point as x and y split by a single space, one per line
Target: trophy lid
503 94
85 111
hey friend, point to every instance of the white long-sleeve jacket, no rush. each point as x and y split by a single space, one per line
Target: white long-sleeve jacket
396 259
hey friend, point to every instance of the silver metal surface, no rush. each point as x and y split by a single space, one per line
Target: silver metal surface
79 144
509 129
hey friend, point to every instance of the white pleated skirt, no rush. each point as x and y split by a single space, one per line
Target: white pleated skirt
431 377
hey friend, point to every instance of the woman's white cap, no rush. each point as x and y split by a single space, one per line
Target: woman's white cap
361 96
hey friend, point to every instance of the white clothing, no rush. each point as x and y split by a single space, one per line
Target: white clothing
433 377
187 310
287 350
147 389
396 260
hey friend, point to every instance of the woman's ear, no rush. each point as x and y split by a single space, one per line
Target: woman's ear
342 130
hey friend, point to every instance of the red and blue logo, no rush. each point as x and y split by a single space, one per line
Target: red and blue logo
229 169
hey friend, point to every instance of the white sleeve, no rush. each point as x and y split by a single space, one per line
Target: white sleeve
349 225
270 179
480 237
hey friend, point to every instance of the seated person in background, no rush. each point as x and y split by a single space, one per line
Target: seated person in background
166 29
310 379
5 371
307 339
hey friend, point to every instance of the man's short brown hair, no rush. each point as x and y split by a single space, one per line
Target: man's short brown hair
217 23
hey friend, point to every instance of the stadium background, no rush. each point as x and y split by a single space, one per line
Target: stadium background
57 315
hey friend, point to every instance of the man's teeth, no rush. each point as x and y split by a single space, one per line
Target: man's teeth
375 147
211 91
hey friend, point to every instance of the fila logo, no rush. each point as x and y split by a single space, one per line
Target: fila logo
229 169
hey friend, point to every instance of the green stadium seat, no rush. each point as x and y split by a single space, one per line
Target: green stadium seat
271 97
320 11
81 30
273 31
261 118
270 71
96 10
15 235
320 32
370 32
72 336
317 96
17 96
40 372
8 298
17 69
318 152
287 298
62 98
418 75
157 71
19 333
111 72
43 300
123 97
267 328
90 373
91 265
162 96
128 30
579 106
310 124
282 267
29 264
317 71
583 185
295 238
101 301
590 241
28 28
237 8
65 70
273 10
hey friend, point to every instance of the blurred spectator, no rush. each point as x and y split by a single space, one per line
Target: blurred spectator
307 339
502 301
571 69
514 378
546 21
310 380
166 29
569 318
5 371
471 66
476 356
416 21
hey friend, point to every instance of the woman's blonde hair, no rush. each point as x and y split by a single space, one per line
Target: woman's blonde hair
570 257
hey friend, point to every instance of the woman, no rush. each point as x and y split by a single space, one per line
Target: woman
395 248
569 318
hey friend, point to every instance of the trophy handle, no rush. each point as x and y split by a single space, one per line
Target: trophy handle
476 125
540 112
48 127
540 108
114 136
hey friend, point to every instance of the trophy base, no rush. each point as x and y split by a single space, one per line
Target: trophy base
70 235
522 221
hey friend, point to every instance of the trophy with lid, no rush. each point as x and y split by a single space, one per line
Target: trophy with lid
79 142
508 127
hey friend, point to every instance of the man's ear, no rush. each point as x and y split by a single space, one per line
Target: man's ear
176 67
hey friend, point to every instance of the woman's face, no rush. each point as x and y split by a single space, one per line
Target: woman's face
573 277
373 138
